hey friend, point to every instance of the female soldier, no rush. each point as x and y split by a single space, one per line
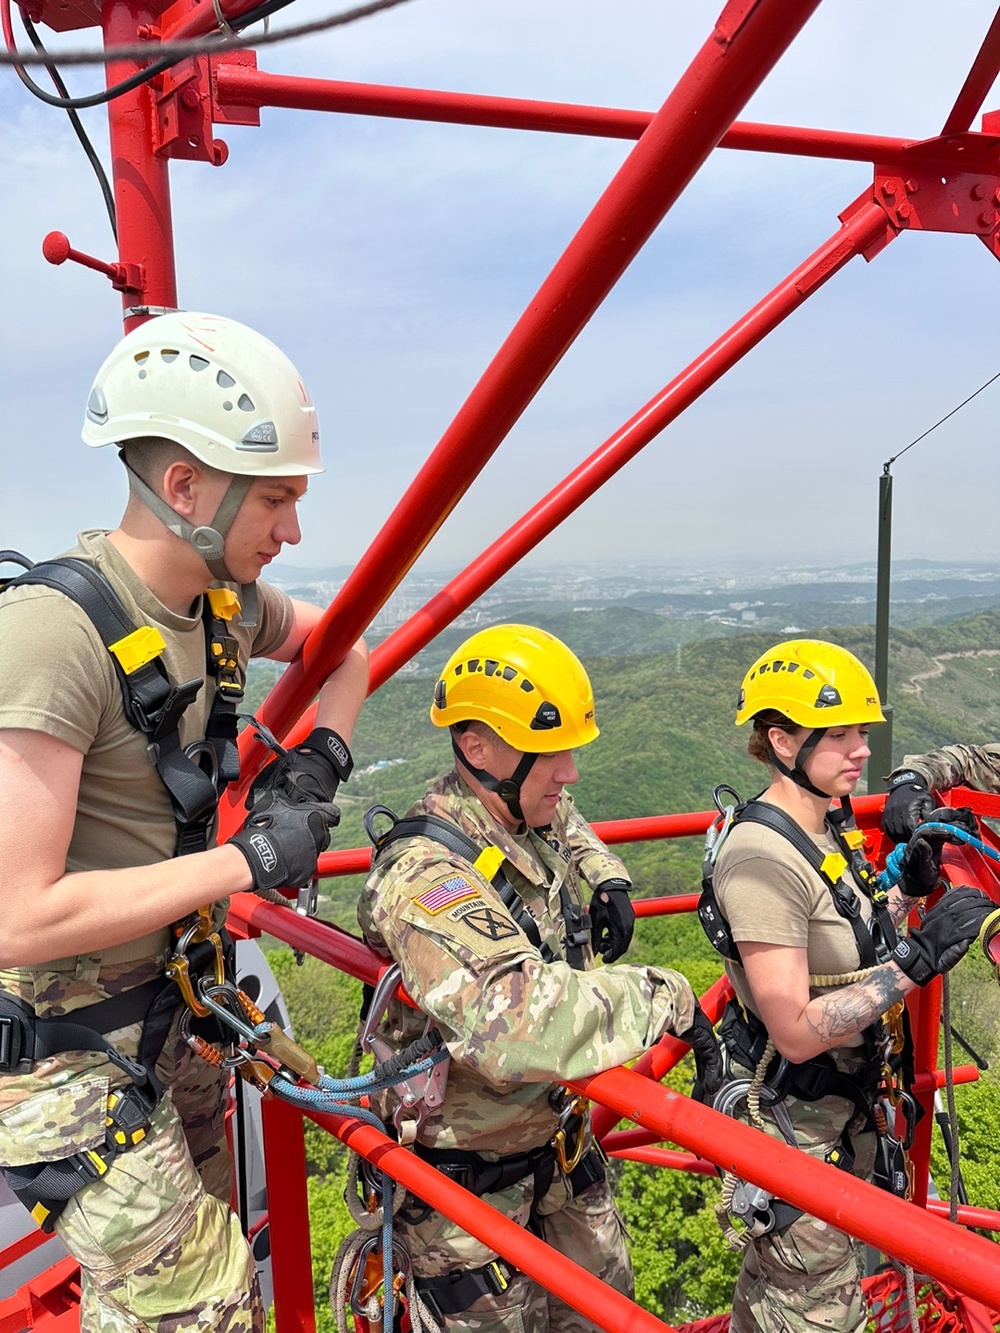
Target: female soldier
803 914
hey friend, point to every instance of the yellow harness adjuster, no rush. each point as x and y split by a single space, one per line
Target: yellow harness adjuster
499 1276
489 861
833 867
136 649
224 602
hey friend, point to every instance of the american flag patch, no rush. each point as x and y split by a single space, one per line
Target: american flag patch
447 894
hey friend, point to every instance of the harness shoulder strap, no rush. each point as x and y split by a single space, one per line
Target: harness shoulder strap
488 861
152 703
845 900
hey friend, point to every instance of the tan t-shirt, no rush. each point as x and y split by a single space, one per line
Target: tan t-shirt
770 895
56 676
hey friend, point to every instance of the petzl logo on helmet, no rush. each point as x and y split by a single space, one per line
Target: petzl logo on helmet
262 846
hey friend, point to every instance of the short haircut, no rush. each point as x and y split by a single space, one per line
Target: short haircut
150 456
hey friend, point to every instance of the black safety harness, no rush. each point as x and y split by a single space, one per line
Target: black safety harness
455 1292
194 778
744 1034
874 940
488 862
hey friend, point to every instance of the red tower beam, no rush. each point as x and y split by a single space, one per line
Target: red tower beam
968 1263
746 42
861 229
864 228
240 86
141 181
978 82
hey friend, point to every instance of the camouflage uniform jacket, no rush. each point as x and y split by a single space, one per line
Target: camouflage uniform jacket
976 766
513 1023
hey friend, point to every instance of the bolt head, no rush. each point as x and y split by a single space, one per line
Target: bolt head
190 98
888 189
987 218
978 191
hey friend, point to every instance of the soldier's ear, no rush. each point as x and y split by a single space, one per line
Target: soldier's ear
470 742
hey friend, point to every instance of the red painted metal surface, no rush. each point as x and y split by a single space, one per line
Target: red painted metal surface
744 46
141 182
580 1289
967 1262
288 1208
245 87
49 1301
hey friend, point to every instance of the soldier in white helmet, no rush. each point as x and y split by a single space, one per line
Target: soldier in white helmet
122 666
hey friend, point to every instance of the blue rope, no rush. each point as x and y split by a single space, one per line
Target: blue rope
339 1096
894 861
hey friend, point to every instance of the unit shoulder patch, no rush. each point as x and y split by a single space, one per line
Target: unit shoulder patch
491 924
447 893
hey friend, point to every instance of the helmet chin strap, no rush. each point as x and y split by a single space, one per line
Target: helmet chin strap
209 540
508 789
798 773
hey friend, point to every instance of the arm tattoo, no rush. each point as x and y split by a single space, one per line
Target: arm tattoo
845 1013
900 906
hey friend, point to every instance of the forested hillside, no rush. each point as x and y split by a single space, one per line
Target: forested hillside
667 738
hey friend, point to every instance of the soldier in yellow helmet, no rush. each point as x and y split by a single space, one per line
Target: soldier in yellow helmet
479 894
797 913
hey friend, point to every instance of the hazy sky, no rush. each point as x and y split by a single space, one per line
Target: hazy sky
390 260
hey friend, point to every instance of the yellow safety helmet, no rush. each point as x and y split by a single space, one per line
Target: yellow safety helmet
523 683
815 684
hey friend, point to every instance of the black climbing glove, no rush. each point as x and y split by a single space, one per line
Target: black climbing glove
281 840
908 803
707 1057
920 868
311 771
944 935
612 919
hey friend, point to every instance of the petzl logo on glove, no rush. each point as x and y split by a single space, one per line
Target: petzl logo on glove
265 851
338 750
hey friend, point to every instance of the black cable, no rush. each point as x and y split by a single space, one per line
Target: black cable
177 51
889 462
68 103
81 133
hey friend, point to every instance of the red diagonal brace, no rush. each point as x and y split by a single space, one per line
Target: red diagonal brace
748 39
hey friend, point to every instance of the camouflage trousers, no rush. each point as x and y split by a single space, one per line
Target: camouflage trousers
805 1276
588 1229
159 1249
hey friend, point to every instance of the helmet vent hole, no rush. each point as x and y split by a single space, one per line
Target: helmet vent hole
808 675
224 381
472 665
142 374
140 357
491 666
227 406
509 673
527 686
197 362
245 403
168 354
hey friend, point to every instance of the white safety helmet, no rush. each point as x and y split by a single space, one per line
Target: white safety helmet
220 389
225 393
